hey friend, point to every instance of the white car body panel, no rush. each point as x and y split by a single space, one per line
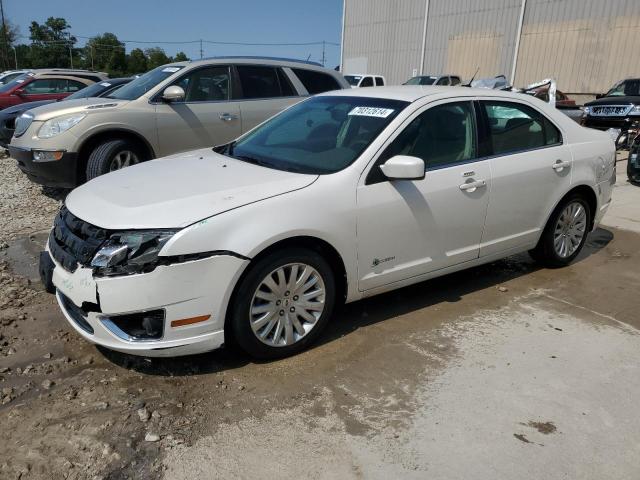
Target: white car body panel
421 228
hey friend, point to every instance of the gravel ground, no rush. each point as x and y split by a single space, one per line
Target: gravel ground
16 193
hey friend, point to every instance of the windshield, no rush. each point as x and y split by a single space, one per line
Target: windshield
421 81
626 87
10 76
321 135
19 80
94 90
353 79
144 83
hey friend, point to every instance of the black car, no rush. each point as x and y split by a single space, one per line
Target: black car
8 115
618 108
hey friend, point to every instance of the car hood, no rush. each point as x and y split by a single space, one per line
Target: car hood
626 100
84 105
179 190
23 107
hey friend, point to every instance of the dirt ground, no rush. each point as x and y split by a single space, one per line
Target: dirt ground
495 372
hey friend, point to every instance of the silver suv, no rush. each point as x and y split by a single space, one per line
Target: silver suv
171 109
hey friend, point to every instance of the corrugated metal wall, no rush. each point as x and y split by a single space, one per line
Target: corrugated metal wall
383 36
586 45
464 35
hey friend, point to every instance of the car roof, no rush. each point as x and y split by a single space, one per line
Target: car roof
252 60
411 93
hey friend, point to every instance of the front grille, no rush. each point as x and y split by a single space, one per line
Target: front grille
610 110
76 313
73 241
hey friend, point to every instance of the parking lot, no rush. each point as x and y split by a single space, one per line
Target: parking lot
495 372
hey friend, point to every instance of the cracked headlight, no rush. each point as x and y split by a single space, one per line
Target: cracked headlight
128 253
56 126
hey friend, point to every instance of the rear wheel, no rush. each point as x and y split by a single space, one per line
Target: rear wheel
565 233
283 303
113 155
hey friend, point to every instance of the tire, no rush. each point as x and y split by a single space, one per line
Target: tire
549 250
254 304
104 156
633 175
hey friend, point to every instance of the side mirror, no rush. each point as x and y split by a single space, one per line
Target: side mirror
403 167
599 95
20 92
174 93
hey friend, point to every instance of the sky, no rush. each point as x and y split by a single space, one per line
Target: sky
248 21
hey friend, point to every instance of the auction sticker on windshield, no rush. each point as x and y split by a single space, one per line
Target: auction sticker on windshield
171 69
371 112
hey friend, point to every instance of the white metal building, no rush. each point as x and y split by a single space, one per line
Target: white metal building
586 45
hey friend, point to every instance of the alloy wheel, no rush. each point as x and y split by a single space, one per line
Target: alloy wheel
287 304
122 159
570 229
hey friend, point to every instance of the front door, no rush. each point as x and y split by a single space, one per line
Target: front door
531 168
409 228
205 118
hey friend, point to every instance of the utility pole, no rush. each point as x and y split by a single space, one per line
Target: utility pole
91 53
15 56
201 51
5 56
323 52
70 55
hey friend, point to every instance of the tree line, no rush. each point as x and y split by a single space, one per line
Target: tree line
53 46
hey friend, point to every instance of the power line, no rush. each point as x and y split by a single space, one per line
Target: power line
201 41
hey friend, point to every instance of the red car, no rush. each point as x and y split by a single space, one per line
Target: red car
46 85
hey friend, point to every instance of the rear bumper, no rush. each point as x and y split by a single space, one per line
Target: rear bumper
60 173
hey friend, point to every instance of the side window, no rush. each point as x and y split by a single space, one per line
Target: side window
259 82
455 81
443 81
285 84
42 86
515 127
71 86
443 135
367 82
205 84
316 82
379 82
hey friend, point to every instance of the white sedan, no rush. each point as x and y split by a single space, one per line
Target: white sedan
340 197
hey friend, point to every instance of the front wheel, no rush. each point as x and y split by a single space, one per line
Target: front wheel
283 303
565 233
113 155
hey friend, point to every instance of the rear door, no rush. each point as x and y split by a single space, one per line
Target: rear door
263 91
205 118
531 169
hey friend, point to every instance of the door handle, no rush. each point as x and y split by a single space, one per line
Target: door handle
473 186
227 117
560 165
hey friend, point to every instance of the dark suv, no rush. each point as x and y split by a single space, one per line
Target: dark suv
618 108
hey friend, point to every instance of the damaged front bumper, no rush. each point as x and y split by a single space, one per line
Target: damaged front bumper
172 296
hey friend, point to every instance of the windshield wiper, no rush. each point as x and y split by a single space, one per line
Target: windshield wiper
255 161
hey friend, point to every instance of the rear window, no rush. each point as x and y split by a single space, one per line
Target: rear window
316 82
379 82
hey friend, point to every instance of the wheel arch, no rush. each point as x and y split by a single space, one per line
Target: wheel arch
322 247
95 139
588 193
